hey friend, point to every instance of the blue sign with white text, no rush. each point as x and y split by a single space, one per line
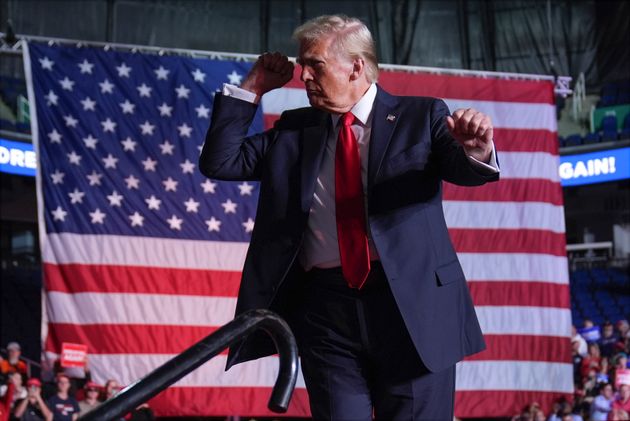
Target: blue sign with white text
594 167
17 158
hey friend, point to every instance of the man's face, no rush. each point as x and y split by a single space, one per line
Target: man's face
14 354
112 388
16 379
34 390
92 393
326 75
624 391
63 384
608 391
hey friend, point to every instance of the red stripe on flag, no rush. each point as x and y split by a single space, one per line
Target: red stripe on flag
509 293
74 278
460 87
508 190
508 241
215 401
500 403
159 339
467 87
525 140
524 348
269 119
126 339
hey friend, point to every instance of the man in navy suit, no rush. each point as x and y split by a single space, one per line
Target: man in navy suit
350 243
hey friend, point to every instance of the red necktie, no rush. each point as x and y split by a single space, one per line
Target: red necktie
350 208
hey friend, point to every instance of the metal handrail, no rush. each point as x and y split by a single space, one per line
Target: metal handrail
176 368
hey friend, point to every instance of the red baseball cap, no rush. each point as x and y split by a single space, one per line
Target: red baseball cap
33 381
93 385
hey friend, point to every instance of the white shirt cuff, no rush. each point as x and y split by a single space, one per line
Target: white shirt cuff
491 167
240 93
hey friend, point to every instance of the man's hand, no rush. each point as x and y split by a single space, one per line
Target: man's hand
271 71
474 131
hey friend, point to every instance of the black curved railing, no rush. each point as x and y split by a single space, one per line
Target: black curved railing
176 368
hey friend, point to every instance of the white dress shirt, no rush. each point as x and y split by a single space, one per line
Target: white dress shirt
320 247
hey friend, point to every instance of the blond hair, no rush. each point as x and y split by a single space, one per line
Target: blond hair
352 38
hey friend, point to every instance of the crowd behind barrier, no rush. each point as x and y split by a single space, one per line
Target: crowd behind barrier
600 367
601 376
68 395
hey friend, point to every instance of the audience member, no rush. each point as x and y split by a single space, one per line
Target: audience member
563 412
63 406
620 371
111 388
590 386
92 390
623 399
592 361
33 407
577 361
623 328
79 376
18 390
6 400
608 340
602 404
13 363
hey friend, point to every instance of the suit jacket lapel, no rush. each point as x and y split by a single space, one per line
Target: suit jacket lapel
313 145
384 119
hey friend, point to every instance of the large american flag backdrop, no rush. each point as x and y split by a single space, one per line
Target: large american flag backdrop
142 254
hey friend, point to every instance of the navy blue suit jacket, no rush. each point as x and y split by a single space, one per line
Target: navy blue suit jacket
409 156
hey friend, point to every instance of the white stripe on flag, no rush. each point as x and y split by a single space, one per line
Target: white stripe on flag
514 267
143 309
146 309
514 375
504 215
524 320
128 368
471 375
540 165
279 100
144 251
512 115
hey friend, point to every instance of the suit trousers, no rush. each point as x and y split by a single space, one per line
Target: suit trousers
358 360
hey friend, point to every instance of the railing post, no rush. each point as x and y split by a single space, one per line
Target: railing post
182 364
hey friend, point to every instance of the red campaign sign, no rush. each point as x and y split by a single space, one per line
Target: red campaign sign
73 355
622 376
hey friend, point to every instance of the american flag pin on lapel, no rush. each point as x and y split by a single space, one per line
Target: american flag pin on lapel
391 117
